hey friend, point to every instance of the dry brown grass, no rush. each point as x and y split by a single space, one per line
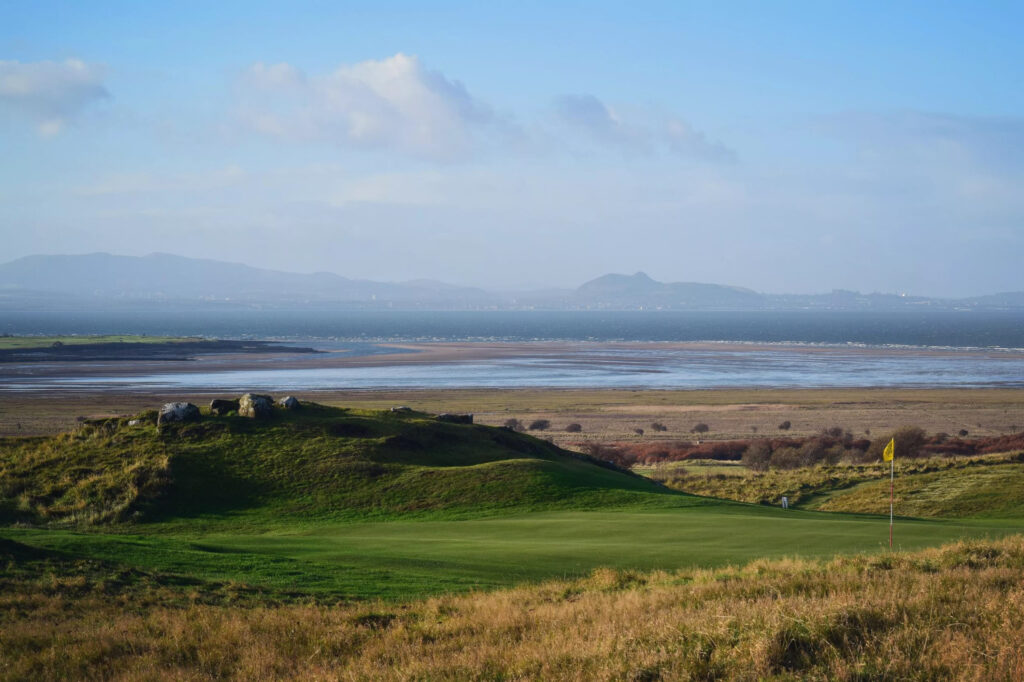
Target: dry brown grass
609 414
954 612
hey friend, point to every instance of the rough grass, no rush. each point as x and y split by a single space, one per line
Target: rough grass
607 415
988 485
953 612
982 492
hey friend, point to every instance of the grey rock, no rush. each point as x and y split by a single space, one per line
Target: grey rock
289 403
255 406
177 412
401 408
221 407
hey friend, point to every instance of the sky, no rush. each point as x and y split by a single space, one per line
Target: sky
787 147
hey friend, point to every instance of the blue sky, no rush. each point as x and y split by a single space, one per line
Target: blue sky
786 147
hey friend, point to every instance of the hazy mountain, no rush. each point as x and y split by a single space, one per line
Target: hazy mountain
165 277
102 280
639 290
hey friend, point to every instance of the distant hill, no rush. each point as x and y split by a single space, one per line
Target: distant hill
101 280
161 277
639 290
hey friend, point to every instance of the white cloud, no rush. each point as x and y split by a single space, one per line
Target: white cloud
589 114
683 140
600 123
50 93
392 103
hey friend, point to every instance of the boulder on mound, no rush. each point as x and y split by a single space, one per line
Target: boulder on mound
221 407
177 412
255 406
289 403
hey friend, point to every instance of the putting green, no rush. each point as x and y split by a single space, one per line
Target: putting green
402 559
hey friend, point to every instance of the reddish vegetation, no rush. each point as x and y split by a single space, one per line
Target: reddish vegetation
975 446
627 454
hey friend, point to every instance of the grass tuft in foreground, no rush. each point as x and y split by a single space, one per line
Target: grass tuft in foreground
956 611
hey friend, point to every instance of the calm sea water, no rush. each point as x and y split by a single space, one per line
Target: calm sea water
917 328
860 349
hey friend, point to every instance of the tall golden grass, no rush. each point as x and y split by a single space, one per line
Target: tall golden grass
955 612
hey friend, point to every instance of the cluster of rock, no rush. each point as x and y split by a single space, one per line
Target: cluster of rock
177 412
252 405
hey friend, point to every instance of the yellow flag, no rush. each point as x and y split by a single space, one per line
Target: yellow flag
889 451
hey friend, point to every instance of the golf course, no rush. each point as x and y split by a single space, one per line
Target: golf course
326 541
357 504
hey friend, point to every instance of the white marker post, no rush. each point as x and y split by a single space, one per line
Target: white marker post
889 455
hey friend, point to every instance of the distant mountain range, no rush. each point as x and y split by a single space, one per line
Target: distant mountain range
105 281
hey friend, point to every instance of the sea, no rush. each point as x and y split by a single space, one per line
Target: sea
620 349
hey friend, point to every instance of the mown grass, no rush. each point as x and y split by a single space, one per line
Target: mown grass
19 342
397 559
953 612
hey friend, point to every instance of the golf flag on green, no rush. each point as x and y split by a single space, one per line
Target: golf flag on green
889 455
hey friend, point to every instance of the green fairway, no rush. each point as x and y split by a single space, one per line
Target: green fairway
402 559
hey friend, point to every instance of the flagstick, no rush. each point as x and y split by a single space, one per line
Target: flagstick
892 475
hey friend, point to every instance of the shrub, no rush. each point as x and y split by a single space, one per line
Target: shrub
784 426
658 426
638 432
610 453
573 428
700 427
962 433
909 440
514 424
786 458
757 456
540 425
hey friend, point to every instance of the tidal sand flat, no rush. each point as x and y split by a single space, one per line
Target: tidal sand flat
538 364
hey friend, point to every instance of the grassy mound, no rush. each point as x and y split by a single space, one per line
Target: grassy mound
314 462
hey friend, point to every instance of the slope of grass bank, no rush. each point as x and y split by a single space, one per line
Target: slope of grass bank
952 612
946 487
980 492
